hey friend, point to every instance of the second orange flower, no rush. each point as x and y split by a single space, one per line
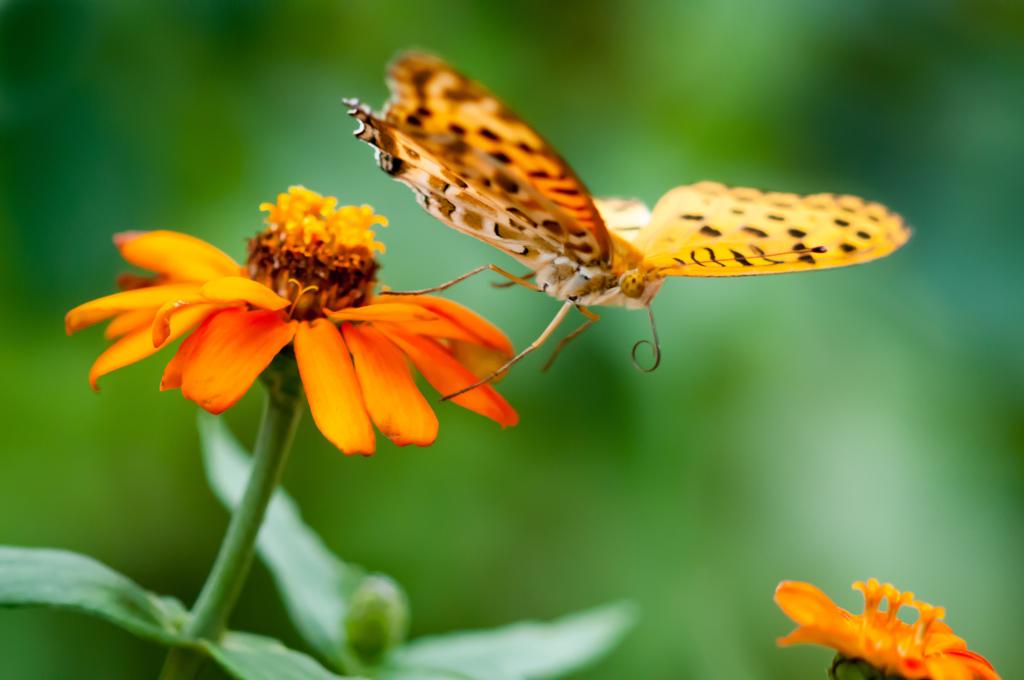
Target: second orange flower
924 650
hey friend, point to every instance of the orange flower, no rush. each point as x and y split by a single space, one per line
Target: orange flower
926 649
308 289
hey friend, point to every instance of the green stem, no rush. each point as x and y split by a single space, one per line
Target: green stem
281 411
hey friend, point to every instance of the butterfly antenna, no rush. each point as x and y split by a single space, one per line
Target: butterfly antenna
655 346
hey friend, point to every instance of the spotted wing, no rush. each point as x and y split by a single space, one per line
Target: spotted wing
708 229
460 134
446 196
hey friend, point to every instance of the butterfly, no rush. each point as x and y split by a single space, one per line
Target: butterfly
478 167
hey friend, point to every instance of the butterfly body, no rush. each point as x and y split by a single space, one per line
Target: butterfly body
478 167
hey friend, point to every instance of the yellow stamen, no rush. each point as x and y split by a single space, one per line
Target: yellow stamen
896 600
922 626
307 218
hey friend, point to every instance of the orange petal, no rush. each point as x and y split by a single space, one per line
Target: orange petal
179 256
335 398
395 312
138 344
241 289
227 290
160 327
126 322
976 663
395 404
235 348
97 310
808 606
171 379
482 361
440 328
470 325
447 375
848 644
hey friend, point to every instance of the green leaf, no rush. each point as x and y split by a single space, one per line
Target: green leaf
521 650
66 580
253 657
314 584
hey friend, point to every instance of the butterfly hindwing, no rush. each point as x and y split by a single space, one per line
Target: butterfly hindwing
624 217
457 125
708 229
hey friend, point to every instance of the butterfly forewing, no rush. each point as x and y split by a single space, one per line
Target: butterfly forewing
478 138
445 195
708 229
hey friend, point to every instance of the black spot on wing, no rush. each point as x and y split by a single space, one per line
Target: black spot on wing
711 255
391 165
740 258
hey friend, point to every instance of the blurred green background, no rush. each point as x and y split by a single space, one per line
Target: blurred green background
826 427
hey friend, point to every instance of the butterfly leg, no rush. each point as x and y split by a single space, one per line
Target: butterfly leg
536 343
511 277
591 320
509 284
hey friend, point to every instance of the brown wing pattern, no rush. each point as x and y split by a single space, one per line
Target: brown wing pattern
445 195
708 229
478 139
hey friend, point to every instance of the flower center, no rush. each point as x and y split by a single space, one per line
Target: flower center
320 257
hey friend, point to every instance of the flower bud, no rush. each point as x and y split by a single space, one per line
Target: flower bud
378 618
853 669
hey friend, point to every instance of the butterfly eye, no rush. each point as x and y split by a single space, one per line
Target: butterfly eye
632 283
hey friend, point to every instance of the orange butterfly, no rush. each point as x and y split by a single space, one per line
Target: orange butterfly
478 167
